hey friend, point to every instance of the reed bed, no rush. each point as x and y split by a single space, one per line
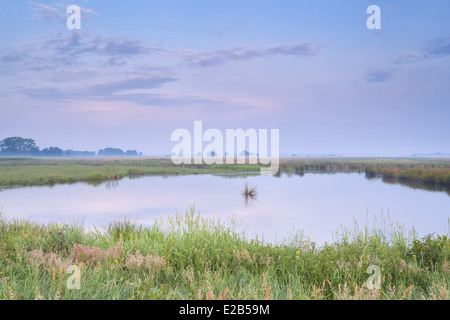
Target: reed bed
429 176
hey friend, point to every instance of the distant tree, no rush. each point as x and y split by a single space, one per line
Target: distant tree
245 153
111 152
75 153
52 152
18 146
131 153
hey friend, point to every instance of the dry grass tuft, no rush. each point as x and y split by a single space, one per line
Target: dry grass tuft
224 295
137 261
437 292
244 256
95 255
48 260
359 293
210 294
134 261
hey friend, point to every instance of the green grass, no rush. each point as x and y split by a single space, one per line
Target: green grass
416 173
186 256
431 176
33 171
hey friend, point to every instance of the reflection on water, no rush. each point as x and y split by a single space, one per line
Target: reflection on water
318 204
412 184
112 184
419 185
249 193
408 183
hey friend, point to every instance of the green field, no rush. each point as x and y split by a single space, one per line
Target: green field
186 256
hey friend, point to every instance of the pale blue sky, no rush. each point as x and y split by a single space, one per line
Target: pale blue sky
138 70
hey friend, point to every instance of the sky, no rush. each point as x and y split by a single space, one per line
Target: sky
138 70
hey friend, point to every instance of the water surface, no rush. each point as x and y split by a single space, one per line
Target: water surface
318 204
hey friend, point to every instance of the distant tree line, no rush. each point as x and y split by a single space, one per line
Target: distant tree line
17 146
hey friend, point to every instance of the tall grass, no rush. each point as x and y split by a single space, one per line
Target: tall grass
187 256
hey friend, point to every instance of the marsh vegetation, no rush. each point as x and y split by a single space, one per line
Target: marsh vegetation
16 172
186 256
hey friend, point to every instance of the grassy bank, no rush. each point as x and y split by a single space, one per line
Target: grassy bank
433 176
190 257
429 174
40 171
34 171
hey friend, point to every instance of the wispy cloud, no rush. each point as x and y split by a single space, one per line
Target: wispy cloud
75 49
439 48
60 51
135 89
243 53
82 67
98 91
375 76
436 49
56 14
392 9
41 12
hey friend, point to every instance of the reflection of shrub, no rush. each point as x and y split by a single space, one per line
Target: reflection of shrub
390 173
249 192
430 251
371 171
134 172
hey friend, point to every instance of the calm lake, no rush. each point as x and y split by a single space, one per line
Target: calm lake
318 204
